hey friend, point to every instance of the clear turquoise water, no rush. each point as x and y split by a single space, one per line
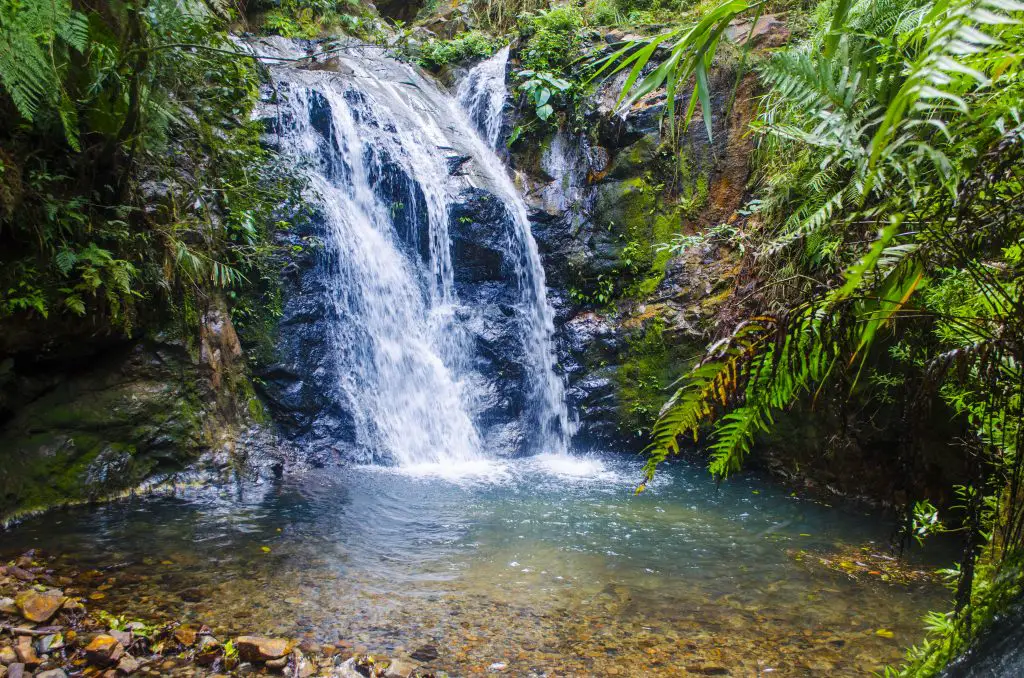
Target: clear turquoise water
548 564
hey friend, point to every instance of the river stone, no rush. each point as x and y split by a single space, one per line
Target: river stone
26 652
47 644
348 669
7 606
277 664
16 671
104 650
52 673
399 669
260 649
186 635
7 655
128 665
39 607
18 573
208 650
426 653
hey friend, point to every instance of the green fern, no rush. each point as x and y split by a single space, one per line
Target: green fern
34 41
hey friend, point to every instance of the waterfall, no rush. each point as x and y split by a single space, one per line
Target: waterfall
378 143
482 93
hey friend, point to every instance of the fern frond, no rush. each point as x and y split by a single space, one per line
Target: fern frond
733 438
31 35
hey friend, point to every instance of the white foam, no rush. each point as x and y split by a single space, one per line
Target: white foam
569 465
470 470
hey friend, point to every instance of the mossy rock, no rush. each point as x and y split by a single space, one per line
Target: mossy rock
103 431
652 361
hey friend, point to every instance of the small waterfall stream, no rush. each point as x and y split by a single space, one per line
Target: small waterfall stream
378 143
483 93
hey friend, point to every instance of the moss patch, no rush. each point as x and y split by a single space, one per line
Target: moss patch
655 192
107 430
650 364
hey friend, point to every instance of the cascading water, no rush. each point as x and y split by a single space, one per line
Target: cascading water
483 94
378 143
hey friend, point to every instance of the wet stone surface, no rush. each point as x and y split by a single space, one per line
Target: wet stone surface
547 566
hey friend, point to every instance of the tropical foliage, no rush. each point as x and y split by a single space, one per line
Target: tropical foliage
130 169
312 18
889 241
470 45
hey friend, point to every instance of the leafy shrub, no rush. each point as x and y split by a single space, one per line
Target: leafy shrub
130 171
540 88
471 45
634 12
311 18
554 38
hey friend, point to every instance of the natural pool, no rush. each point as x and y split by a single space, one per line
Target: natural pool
548 565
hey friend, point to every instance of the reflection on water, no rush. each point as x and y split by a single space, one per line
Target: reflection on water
549 564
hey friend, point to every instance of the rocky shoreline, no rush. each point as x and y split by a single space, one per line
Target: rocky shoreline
52 625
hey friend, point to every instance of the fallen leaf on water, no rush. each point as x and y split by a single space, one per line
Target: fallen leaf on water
885 633
265 549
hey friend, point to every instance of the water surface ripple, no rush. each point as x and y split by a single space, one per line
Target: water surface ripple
549 564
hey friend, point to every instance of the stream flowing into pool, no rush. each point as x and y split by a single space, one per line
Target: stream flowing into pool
547 564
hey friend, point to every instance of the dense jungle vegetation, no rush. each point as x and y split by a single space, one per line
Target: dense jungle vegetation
888 233
885 225
132 180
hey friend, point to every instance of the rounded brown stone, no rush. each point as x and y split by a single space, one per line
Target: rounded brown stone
260 649
39 607
104 650
186 635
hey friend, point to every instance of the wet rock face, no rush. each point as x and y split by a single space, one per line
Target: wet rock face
589 341
479 232
295 386
89 430
999 652
631 316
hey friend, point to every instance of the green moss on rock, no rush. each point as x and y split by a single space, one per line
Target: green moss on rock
142 409
651 362
98 434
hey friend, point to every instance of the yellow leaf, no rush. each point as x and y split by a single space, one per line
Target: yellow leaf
265 549
885 633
